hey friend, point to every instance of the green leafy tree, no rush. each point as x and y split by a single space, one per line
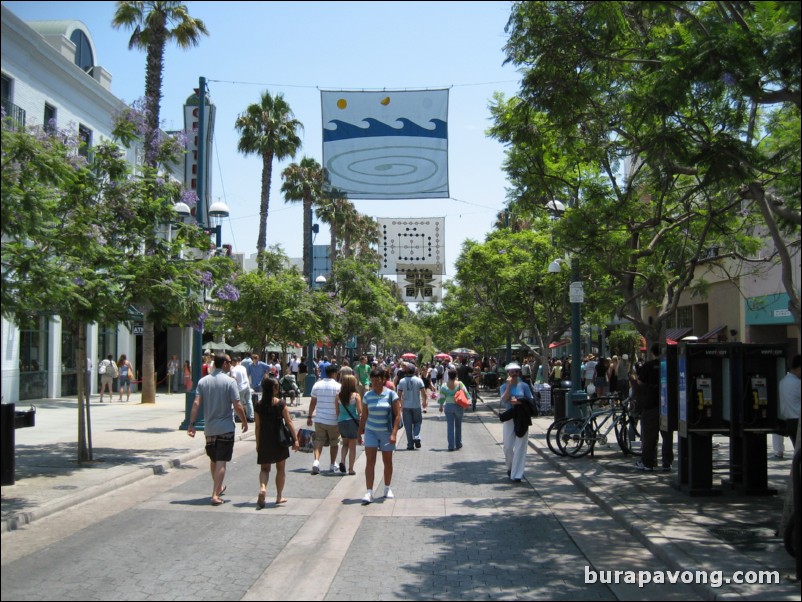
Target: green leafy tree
643 121
72 233
267 129
368 305
276 307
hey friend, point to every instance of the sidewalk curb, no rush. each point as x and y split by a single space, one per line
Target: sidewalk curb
670 553
137 473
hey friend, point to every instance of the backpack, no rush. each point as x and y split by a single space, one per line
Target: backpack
113 370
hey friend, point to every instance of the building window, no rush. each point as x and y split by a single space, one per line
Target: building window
85 139
33 361
83 50
682 318
50 118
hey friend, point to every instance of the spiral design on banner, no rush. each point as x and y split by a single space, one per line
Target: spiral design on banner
389 166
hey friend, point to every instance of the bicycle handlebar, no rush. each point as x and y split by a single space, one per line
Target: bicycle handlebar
592 400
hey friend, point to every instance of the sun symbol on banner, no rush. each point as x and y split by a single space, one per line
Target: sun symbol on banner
419 283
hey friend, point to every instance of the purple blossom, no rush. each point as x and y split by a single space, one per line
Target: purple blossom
729 79
78 281
206 278
190 197
229 292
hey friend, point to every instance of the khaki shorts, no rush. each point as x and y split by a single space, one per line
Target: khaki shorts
326 434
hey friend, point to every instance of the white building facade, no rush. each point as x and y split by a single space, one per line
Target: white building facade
50 76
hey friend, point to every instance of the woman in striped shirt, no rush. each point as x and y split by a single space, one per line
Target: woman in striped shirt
379 424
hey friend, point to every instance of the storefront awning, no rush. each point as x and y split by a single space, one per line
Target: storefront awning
715 334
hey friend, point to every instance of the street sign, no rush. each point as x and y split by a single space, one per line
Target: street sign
139 329
576 293
350 343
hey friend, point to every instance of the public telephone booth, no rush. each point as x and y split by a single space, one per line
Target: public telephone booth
704 383
752 413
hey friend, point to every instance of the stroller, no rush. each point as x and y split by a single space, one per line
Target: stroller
289 390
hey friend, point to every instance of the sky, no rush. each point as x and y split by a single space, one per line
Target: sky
299 48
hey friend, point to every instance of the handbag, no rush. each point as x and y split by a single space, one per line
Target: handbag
461 399
285 437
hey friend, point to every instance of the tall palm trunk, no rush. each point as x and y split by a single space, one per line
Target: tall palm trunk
261 243
307 235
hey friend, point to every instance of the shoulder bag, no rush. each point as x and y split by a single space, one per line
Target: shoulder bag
461 398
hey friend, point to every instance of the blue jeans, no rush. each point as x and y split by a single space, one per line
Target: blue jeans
413 418
454 425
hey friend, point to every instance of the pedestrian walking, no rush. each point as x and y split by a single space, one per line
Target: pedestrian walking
378 427
218 391
172 368
126 371
271 414
327 433
107 369
452 411
516 396
349 404
412 391
240 374
187 376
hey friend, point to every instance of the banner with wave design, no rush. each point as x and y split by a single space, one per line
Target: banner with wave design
386 145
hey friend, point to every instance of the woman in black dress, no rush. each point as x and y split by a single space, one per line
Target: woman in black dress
269 413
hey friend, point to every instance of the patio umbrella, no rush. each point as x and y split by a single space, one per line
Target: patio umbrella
443 356
217 346
409 356
463 351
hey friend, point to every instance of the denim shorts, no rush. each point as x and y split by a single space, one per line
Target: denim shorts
379 439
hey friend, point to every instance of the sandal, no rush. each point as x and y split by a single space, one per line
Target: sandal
216 501
352 472
260 501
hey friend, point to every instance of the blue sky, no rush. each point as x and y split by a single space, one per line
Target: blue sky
299 47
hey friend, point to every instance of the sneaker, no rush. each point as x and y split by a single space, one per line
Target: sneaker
641 466
316 468
342 467
778 456
334 468
388 493
417 443
367 498
666 468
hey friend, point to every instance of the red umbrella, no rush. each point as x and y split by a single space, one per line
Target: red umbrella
443 356
409 356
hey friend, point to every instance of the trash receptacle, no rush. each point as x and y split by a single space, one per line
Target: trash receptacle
7 462
558 399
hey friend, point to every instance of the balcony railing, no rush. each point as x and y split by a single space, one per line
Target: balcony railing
14 113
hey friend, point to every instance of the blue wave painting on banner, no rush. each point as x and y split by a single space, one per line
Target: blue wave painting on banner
388 144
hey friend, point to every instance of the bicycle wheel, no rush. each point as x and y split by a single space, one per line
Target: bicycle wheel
575 437
628 435
551 436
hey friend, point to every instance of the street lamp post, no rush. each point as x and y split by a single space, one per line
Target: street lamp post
216 210
576 297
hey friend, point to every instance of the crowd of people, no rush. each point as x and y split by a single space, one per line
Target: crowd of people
370 404
365 405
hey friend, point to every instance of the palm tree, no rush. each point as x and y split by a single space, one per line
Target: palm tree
304 182
268 129
339 213
154 24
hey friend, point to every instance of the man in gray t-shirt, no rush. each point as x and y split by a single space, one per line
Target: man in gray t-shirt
413 397
219 392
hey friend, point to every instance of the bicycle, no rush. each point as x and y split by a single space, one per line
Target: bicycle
577 437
